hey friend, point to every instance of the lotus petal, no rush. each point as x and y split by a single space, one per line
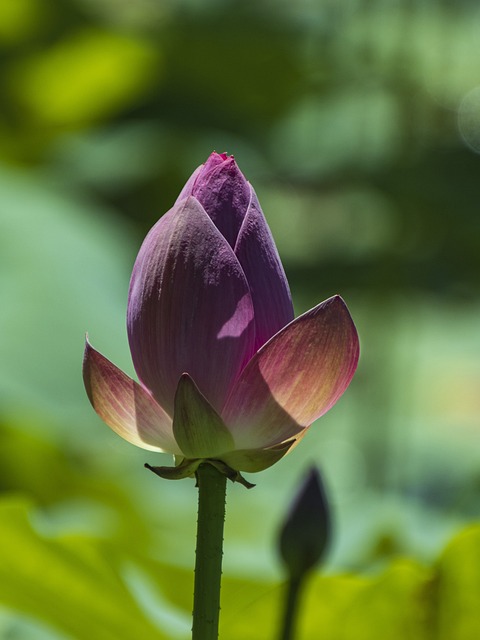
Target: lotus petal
199 431
125 406
225 194
213 160
258 255
189 308
294 378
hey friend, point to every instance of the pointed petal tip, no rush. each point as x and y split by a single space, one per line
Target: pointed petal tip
89 352
90 355
337 311
338 304
334 302
337 301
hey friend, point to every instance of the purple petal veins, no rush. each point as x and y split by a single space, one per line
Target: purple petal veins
225 371
189 308
258 255
295 377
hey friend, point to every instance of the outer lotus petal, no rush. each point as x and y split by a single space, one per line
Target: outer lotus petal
189 308
225 194
213 160
294 378
198 429
258 255
125 406
253 460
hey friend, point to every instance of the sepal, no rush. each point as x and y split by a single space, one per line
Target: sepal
231 474
188 468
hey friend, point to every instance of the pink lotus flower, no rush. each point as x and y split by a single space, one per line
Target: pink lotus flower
226 373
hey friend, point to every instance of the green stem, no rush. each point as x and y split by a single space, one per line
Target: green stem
208 564
294 587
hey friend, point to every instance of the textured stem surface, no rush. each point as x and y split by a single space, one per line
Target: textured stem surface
208 563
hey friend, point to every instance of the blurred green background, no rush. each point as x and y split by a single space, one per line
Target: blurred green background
358 123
